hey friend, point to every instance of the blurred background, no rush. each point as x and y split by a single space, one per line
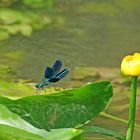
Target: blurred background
95 33
90 36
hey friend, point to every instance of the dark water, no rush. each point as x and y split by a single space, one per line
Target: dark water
82 33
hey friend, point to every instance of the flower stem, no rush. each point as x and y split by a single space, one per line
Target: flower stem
132 108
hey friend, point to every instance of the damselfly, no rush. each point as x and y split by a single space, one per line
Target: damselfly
53 74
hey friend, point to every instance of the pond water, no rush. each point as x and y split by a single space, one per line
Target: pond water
82 33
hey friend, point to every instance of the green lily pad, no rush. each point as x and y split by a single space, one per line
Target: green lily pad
66 109
12 127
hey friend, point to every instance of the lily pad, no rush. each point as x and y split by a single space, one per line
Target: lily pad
20 129
66 109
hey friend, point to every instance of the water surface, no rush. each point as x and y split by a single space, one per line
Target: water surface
82 33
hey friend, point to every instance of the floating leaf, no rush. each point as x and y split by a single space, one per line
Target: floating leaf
15 21
20 129
66 109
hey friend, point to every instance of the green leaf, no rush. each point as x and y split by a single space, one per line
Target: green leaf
105 131
19 128
20 134
66 109
16 134
15 21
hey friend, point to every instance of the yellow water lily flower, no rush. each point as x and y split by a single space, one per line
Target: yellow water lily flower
131 65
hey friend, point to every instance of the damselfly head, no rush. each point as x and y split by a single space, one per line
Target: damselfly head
40 85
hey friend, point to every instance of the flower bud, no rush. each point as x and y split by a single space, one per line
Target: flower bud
131 65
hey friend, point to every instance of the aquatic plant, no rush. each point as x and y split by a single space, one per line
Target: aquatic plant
61 115
66 114
131 66
16 20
